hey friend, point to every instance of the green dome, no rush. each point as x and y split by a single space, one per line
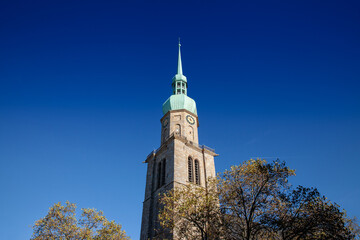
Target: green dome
179 101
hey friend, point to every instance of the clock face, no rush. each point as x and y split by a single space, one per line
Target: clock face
190 119
165 122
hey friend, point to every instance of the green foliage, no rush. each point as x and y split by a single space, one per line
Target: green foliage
61 224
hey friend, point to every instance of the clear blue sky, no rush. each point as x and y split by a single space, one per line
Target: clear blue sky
82 84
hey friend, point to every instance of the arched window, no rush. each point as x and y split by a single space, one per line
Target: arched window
190 169
163 172
177 129
164 134
159 175
197 172
191 133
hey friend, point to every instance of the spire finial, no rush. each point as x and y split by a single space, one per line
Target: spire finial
179 71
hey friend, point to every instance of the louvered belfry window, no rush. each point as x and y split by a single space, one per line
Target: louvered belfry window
159 175
197 172
190 169
163 172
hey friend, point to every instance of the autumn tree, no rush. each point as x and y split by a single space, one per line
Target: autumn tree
254 201
305 214
192 212
61 224
353 225
247 192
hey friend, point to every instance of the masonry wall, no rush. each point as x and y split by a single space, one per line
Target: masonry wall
175 122
176 149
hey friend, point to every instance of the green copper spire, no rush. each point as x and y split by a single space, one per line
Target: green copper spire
179 72
179 99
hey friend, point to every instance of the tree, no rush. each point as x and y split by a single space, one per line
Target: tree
191 212
247 193
305 214
61 224
254 201
353 226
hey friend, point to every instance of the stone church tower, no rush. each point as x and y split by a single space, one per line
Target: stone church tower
180 159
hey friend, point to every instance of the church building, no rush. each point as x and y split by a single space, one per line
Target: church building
180 159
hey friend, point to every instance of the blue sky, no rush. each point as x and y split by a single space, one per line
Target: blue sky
82 84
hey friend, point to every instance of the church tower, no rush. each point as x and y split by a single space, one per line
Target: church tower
179 160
